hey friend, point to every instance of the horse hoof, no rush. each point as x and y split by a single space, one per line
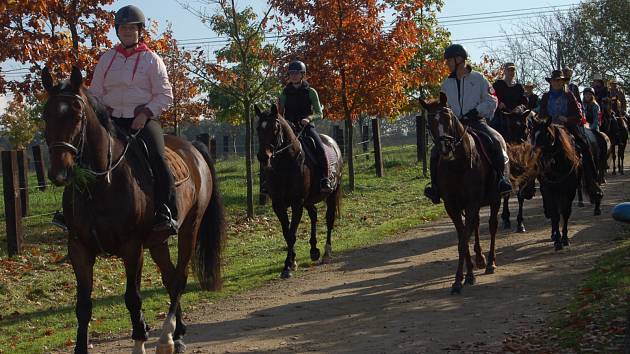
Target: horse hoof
565 241
168 348
557 246
490 269
581 204
315 254
456 289
507 225
180 347
327 259
520 229
480 262
286 274
470 279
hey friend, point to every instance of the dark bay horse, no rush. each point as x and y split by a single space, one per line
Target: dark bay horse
616 127
292 182
601 150
113 215
558 176
466 183
516 130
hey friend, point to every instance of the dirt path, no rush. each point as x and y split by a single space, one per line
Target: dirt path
394 297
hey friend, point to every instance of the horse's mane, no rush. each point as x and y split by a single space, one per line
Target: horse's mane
100 111
567 145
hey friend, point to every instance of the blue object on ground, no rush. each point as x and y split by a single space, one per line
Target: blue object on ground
621 212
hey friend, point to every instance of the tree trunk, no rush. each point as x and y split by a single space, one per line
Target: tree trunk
350 151
248 160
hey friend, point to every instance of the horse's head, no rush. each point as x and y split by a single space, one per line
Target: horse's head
518 124
64 115
543 137
269 132
444 127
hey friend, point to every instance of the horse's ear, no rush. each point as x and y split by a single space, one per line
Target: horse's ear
76 78
274 110
257 110
47 80
443 99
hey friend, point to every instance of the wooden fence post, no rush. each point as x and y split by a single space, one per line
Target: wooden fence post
213 148
423 141
339 138
226 146
376 138
22 161
40 169
12 204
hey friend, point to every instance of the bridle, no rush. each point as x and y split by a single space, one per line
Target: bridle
279 146
79 148
446 142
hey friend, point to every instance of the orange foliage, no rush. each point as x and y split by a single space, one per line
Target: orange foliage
355 61
57 33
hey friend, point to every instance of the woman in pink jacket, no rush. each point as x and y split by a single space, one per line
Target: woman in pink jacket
132 82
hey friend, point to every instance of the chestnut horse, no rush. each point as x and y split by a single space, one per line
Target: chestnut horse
290 183
113 215
467 182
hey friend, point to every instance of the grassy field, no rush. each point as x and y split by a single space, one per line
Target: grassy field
37 291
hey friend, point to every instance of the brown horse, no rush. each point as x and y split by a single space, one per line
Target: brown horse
113 215
557 170
616 127
517 128
289 183
460 160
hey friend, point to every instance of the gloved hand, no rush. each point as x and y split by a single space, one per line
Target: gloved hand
473 114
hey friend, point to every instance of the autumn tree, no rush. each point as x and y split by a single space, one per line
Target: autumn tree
356 61
58 33
20 122
187 105
245 71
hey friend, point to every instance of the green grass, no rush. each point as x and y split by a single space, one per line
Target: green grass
596 319
37 292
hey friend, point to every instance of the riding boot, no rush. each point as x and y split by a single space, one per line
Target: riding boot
431 190
503 172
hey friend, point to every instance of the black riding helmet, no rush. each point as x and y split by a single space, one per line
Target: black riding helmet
455 50
589 90
129 15
297 66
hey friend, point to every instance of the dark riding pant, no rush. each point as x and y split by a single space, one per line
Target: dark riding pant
153 137
588 163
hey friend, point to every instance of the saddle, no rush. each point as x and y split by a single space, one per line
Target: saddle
329 158
483 143
175 163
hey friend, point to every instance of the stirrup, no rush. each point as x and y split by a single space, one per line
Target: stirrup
59 220
324 185
164 221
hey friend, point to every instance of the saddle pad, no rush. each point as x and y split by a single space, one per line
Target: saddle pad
481 146
178 167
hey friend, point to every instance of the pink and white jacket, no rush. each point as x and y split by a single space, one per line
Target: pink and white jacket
131 83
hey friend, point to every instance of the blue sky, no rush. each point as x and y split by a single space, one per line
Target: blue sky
455 12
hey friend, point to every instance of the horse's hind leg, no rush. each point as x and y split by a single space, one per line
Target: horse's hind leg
579 189
83 265
566 214
614 159
133 258
331 215
491 265
480 260
312 214
473 226
520 226
505 215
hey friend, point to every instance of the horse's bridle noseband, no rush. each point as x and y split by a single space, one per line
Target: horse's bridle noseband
447 141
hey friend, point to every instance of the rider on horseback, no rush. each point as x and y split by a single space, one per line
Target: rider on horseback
590 108
471 99
573 88
132 82
510 94
299 104
560 105
616 91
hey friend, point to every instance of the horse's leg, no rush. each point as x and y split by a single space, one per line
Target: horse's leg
622 148
296 217
520 227
456 216
614 159
133 259
566 214
480 260
312 214
283 216
579 189
83 265
331 215
472 225
493 226
555 225
505 216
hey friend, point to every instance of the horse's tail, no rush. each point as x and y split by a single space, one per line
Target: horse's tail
211 237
